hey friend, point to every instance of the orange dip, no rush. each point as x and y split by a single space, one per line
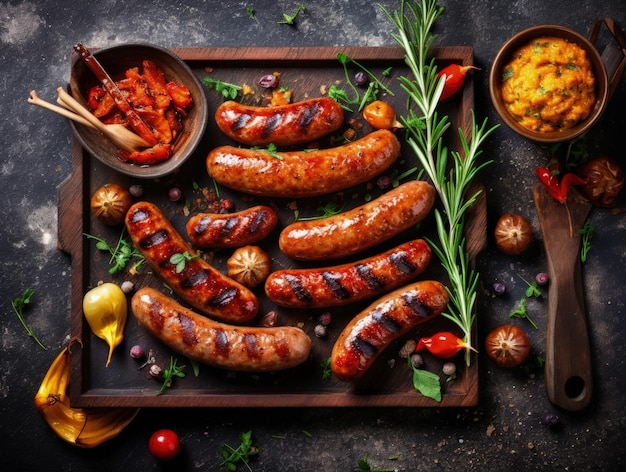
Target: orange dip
549 85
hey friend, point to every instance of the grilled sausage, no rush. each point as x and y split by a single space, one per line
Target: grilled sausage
237 348
233 229
346 283
390 317
285 125
199 284
300 173
358 229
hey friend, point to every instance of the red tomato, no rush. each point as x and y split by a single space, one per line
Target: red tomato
164 445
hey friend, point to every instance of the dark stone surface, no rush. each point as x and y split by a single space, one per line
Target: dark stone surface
503 432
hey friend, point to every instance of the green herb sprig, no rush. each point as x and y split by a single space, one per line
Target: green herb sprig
168 375
229 91
326 370
425 131
243 453
364 466
271 149
251 12
19 304
330 209
180 260
291 19
372 91
521 312
121 254
532 289
586 233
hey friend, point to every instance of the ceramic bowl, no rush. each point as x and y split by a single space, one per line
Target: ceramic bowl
524 37
116 60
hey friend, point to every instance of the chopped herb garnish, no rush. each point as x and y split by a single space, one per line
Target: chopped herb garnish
521 312
180 260
271 149
228 91
330 209
18 305
121 254
291 19
243 453
327 372
364 466
251 12
586 233
169 374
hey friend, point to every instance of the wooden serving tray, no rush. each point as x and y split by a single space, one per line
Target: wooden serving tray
305 71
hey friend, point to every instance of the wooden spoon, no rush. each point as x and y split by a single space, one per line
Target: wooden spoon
568 373
119 135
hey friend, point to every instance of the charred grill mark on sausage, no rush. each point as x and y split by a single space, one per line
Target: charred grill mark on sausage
308 116
298 289
401 262
417 306
270 125
333 281
366 274
241 121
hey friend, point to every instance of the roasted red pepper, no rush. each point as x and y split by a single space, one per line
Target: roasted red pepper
558 189
180 94
150 156
443 344
455 78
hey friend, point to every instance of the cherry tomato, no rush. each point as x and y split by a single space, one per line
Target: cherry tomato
164 445
513 234
380 115
507 346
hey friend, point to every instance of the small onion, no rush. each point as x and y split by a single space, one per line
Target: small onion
110 203
513 234
507 346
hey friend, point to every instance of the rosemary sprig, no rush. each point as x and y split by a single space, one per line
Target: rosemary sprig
425 131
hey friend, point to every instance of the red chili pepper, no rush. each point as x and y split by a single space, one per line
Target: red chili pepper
455 77
443 344
558 190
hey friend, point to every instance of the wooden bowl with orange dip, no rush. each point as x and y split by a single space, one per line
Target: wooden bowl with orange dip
549 84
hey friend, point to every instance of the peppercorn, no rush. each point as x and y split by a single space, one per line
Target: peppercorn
449 368
155 371
320 330
417 360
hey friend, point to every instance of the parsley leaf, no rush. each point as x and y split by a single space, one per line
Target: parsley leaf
427 383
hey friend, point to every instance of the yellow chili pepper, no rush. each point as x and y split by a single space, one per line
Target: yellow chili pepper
105 308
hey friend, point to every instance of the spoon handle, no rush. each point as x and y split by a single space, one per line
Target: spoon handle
135 121
568 370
